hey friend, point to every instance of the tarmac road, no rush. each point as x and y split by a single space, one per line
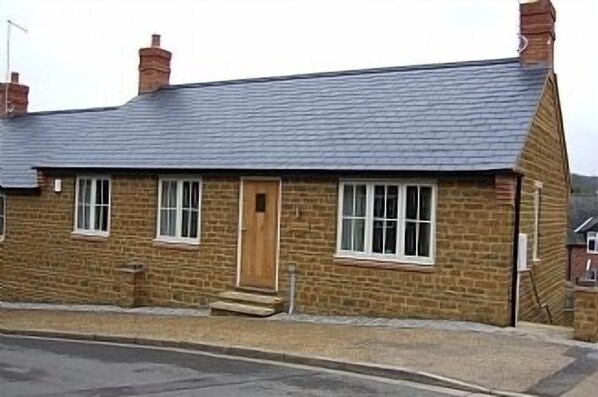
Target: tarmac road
51 367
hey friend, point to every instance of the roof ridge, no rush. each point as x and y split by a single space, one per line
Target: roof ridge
69 111
348 72
339 73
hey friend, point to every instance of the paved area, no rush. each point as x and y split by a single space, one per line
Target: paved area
560 335
44 368
495 360
158 311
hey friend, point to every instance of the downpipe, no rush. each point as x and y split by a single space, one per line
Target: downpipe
515 267
292 287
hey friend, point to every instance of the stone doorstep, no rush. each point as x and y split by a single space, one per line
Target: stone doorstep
238 296
221 307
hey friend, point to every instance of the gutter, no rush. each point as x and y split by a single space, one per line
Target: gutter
515 267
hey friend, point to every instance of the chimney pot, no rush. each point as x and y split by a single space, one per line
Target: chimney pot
155 40
14 77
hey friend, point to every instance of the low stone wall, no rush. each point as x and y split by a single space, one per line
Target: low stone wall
569 309
586 314
130 286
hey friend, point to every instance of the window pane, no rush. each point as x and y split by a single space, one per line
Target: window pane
379 202
163 222
167 223
195 195
377 237
592 245
172 221
392 199
2 205
260 202
88 187
348 200
186 194
410 238
104 224
98 197
169 194
193 227
185 226
425 203
165 189
423 243
390 245
360 200
1 226
358 235
98 209
80 217
87 215
172 195
105 191
80 192
84 191
347 235
411 202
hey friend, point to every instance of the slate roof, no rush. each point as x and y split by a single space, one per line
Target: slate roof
581 208
469 116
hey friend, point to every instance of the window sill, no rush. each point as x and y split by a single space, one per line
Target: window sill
181 245
384 265
89 237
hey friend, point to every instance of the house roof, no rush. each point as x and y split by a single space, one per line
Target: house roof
590 226
583 216
469 116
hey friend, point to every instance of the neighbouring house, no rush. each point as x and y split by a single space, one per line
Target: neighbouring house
399 191
582 240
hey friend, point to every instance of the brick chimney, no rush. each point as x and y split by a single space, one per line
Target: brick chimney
536 24
154 67
14 97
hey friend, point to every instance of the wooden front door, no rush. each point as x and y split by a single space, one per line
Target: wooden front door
259 233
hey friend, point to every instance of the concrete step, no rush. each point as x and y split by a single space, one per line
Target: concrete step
245 297
223 308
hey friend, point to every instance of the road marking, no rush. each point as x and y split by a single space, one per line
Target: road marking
420 386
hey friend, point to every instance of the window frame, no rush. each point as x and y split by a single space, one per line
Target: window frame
538 187
92 232
595 238
400 256
3 216
179 180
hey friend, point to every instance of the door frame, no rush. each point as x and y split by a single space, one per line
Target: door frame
240 222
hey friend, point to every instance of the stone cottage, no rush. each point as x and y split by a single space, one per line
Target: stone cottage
400 192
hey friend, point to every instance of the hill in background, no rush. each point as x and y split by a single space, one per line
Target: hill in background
584 184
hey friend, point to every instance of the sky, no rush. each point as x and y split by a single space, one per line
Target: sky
83 53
